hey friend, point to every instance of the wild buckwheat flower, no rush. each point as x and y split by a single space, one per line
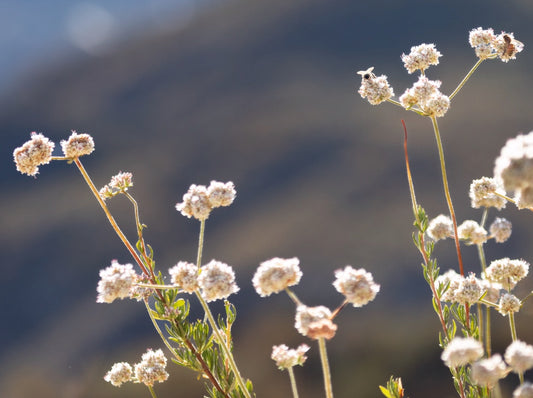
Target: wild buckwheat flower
506 46
274 275
482 193
472 232
437 105
356 284
151 368
77 145
375 89
315 322
185 276
500 229
195 203
119 184
441 227
492 290
217 281
421 57
514 166
408 99
287 358
221 194
487 372
519 356
508 303
507 272
116 281
524 198
451 279
524 391
469 290
33 153
481 40
462 351
424 89
120 372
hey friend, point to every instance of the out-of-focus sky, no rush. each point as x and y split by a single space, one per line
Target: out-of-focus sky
34 34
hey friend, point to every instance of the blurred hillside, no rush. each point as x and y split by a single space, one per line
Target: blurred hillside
262 94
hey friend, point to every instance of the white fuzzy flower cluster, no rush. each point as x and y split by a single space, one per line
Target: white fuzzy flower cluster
185 276
514 167
455 288
287 358
357 285
276 274
33 153
151 368
488 45
119 183
483 193
315 322
519 356
462 351
200 200
116 281
471 232
77 145
507 272
508 304
120 373
440 227
217 281
421 57
375 89
426 95
525 390
500 229
488 371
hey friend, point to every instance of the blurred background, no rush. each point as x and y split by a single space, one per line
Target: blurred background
263 94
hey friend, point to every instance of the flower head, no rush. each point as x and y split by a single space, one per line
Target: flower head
507 272
185 276
195 203
514 166
487 372
462 351
276 274
483 193
221 194
469 291
151 368
375 89
506 46
525 390
508 304
119 183
472 232
500 229
356 284
287 358
481 40
315 322
120 372
519 356
33 153
447 285
217 281
441 227
116 281
421 57
77 145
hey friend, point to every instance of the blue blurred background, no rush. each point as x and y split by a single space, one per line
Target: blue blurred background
263 94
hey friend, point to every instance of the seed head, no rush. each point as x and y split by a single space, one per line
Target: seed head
217 281
185 276
77 145
356 284
276 274
287 358
462 351
33 153
519 356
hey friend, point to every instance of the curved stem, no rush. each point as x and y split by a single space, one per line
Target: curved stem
152 392
293 382
325 367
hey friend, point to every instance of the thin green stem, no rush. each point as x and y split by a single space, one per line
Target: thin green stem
293 297
293 382
325 367
415 110
158 329
200 244
512 325
468 75
152 392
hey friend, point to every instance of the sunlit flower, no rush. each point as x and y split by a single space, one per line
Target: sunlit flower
221 194
462 351
483 193
507 272
441 227
120 372
77 145
276 274
287 358
33 153
500 229
195 203
421 57
508 304
519 356
524 391
375 89
472 232
116 281
151 368
315 322
217 281
356 284
185 276
487 372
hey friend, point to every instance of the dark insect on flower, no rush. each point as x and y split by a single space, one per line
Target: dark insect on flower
511 46
367 74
